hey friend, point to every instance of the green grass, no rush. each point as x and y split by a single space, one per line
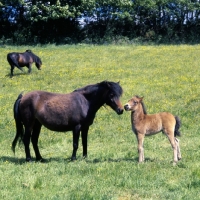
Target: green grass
167 77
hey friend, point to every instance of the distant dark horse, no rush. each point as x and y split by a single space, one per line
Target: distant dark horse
23 59
62 112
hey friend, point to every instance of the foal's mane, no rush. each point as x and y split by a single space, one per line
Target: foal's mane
143 105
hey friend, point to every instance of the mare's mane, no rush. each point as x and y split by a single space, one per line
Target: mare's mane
113 87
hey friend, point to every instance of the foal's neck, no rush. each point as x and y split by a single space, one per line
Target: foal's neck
138 114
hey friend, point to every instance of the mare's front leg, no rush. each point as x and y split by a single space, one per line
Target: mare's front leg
84 135
76 134
34 140
26 140
140 139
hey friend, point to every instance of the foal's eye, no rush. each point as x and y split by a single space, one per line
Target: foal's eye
135 102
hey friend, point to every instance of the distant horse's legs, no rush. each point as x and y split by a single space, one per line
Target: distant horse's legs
26 140
29 68
178 148
11 70
34 140
84 135
76 134
140 139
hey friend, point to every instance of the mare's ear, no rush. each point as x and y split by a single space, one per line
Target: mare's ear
118 82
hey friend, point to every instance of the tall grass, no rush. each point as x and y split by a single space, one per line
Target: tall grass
167 77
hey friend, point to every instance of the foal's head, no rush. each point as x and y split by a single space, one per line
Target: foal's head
134 104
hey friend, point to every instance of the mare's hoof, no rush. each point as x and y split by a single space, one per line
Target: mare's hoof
28 160
73 158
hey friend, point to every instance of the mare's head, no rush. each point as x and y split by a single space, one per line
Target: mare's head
112 94
134 104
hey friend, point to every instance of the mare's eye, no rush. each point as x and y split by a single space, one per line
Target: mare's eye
135 102
112 97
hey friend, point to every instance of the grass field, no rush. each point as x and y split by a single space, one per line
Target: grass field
167 77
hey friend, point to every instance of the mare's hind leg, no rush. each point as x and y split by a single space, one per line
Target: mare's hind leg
76 135
140 139
34 139
26 140
178 148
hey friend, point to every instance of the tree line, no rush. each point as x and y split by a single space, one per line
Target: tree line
98 21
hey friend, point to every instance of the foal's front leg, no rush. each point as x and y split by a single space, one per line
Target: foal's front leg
140 139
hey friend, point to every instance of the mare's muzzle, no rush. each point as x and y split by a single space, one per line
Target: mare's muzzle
119 111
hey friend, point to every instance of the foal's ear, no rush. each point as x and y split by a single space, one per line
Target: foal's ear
141 98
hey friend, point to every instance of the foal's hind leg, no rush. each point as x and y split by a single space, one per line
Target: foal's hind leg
34 140
178 148
170 135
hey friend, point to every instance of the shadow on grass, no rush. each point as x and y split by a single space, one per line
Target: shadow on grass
134 160
20 161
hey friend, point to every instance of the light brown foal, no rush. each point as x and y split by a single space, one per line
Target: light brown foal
144 124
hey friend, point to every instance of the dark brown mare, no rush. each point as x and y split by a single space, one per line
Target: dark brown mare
144 124
23 59
62 112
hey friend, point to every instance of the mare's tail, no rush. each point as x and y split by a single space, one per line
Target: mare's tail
18 123
177 126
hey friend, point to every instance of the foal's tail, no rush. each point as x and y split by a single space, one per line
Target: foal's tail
177 126
18 123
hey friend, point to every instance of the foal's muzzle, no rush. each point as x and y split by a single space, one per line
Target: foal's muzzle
126 107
